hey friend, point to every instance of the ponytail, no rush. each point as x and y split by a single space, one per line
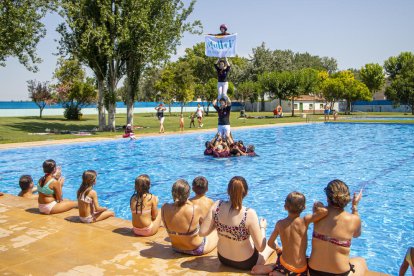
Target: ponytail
237 190
49 167
180 192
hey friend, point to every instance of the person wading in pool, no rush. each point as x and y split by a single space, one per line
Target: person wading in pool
223 112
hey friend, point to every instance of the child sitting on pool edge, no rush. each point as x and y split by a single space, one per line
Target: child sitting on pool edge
28 187
89 209
200 188
293 231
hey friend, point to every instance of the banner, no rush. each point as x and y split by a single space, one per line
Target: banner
221 46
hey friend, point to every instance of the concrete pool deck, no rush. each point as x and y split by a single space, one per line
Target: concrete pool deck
35 244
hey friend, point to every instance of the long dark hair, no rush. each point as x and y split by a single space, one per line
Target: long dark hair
49 167
88 179
142 186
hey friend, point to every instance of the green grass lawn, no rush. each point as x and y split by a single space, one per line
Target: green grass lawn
18 129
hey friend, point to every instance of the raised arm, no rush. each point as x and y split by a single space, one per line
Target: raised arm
227 62
57 187
319 212
207 226
355 201
257 230
215 102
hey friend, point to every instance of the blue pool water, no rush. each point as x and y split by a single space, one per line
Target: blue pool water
304 158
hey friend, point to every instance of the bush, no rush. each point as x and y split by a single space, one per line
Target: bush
72 113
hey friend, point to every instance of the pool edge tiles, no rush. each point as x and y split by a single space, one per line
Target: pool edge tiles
114 249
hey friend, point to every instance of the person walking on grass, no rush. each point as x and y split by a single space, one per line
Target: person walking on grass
160 115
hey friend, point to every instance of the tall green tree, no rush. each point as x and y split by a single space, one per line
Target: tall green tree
372 74
21 29
248 90
330 65
152 29
92 33
400 70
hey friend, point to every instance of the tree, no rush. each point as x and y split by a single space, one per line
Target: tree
93 33
21 30
343 85
271 83
354 91
183 83
309 80
73 90
151 31
400 70
262 61
248 90
372 74
40 94
165 85
332 89
330 65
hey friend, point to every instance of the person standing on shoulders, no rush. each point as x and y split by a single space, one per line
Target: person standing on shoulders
223 112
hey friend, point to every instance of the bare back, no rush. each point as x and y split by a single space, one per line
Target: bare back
293 234
144 213
182 224
327 256
203 203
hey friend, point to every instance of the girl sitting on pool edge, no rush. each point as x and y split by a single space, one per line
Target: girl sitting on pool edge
146 218
49 188
89 209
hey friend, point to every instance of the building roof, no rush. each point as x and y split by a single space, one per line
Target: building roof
309 98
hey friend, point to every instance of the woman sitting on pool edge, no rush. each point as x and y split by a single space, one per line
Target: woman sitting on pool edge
181 221
332 235
49 188
146 219
241 235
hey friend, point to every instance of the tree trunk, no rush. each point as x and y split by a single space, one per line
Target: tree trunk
111 117
169 109
41 111
293 106
130 112
348 107
208 109
182 107
101 106
262 102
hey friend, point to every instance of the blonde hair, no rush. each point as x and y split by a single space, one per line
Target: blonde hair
295 202
180 192
337 193
88 180
237 190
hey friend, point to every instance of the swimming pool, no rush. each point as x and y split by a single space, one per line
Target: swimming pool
304 158
365 118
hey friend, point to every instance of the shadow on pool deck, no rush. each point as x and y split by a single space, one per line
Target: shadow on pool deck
35 244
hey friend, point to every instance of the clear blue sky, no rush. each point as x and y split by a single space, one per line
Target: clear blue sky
355 32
